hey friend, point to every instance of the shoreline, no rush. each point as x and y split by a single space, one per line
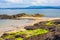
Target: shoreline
36 20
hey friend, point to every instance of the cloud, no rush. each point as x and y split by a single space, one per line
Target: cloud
46 2
14 1
26 3
39 2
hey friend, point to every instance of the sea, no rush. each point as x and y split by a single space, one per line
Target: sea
47 12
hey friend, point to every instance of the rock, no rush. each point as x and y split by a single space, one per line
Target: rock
52 28
57 21
48 39
5 34
56 37
17 36
30 27
38 37
21 35
37 24
10 39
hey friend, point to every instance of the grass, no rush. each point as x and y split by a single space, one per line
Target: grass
28 33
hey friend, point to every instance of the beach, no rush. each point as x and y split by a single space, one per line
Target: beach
19 26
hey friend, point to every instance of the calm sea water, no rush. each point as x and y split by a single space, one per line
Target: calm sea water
46 12
9 23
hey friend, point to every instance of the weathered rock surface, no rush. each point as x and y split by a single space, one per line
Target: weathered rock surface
53 34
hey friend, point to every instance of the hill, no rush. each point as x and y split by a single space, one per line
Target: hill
43 7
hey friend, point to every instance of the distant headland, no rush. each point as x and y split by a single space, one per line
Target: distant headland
37 7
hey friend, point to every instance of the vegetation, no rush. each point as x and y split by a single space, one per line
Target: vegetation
19 39
49 23
47 30
26 34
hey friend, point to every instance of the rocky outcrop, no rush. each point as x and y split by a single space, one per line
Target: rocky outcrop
41 37
53 34
5 16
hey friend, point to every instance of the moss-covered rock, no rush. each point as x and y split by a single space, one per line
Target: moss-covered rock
24 34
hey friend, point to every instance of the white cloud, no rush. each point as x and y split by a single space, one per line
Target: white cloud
46 2
39 2
26 3
34 2
15 1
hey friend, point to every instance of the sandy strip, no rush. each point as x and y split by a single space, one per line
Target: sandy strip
38 18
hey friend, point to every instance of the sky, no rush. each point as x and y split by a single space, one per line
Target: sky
27 3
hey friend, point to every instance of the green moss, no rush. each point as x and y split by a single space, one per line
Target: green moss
49 23
36 32
33 32
19 39
9 36
28 33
